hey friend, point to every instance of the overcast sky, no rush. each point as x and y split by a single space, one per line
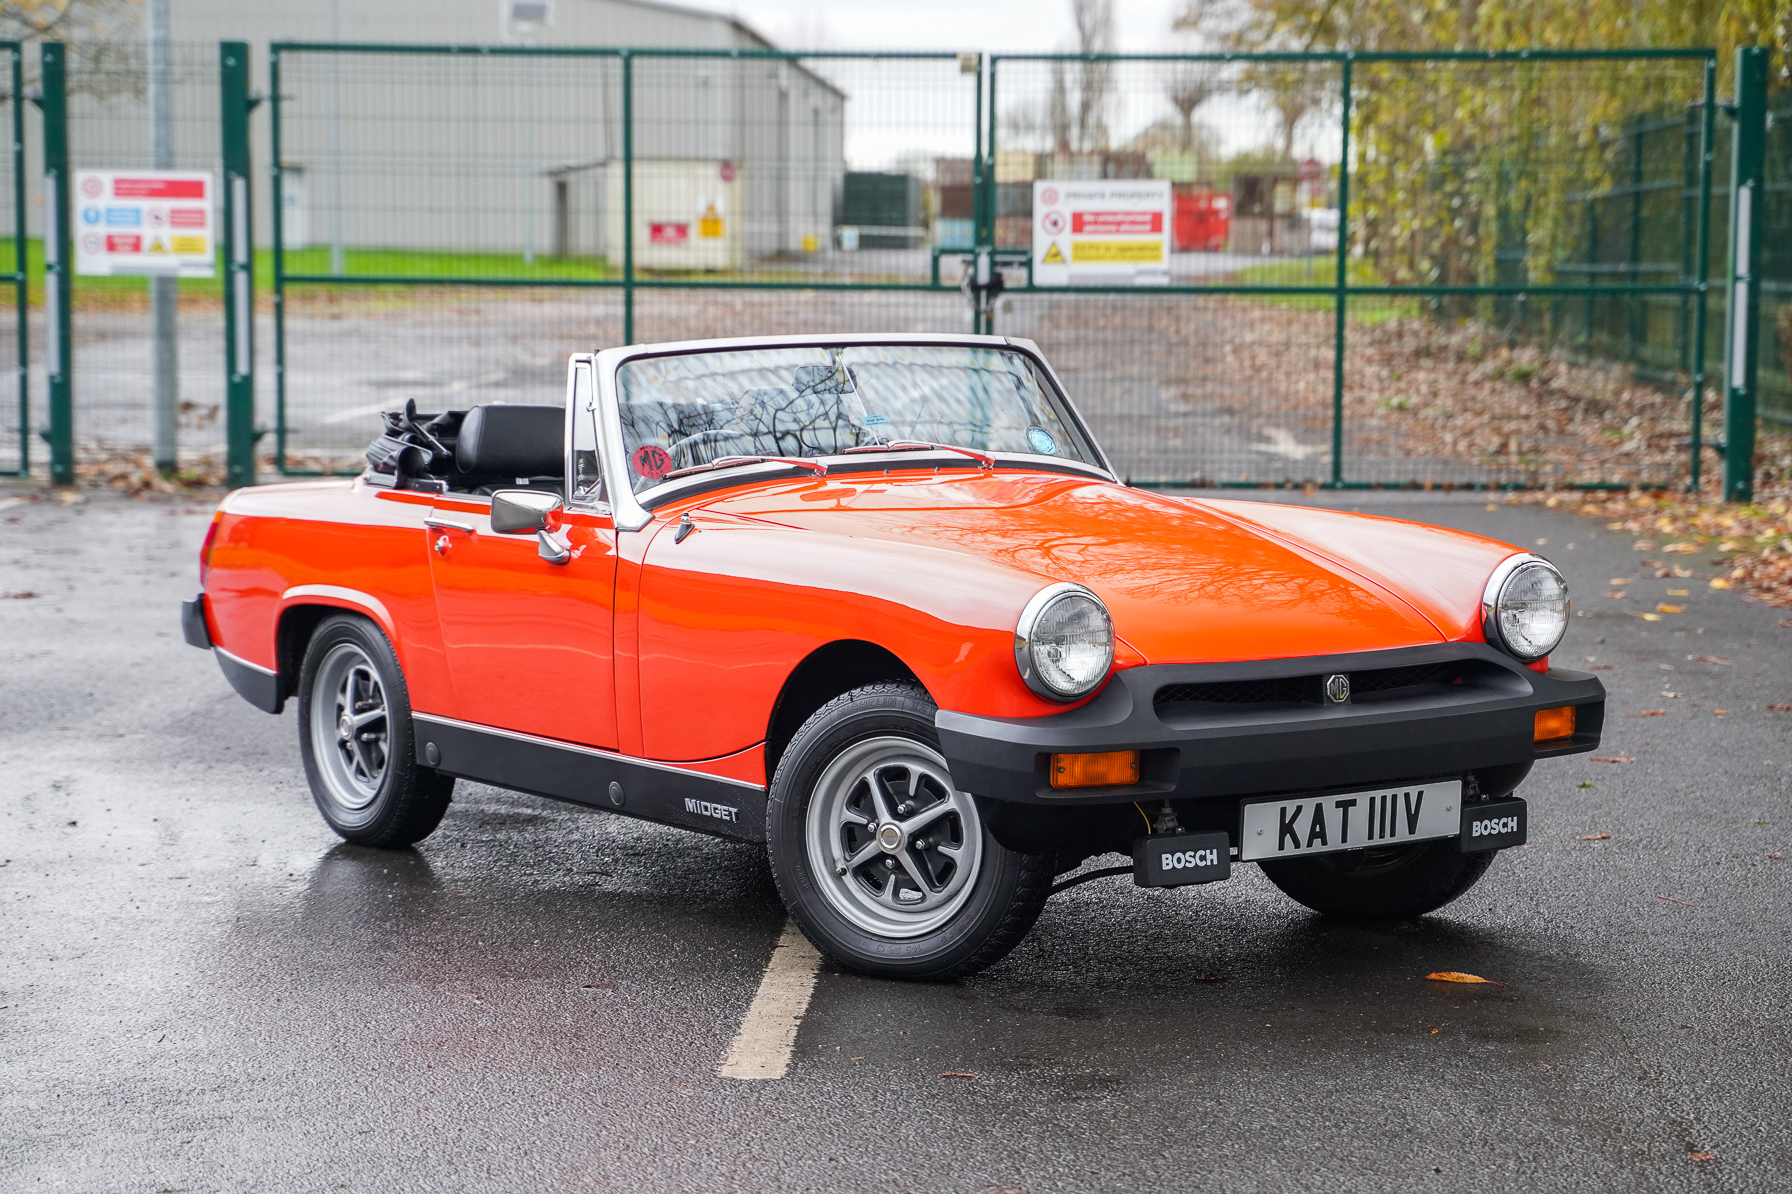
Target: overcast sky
990 25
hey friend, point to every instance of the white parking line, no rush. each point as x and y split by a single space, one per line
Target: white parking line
761 1049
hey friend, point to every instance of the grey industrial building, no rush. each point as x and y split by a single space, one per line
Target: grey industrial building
735 157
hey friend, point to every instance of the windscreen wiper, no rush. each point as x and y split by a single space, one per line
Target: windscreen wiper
814 466
919 445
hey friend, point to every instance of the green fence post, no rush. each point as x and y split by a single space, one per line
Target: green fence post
1746 161
1341 295
239 271
21 288
628 198
982 217
1702 270
279 251
54 101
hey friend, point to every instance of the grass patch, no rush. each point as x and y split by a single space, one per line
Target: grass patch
1322 270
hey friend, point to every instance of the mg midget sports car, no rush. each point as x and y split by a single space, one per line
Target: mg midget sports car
881 604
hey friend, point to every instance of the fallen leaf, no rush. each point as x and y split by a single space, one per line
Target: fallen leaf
1600 667
1644 617
1434 1032
1618 582
1672 900
1644 545
1648 713
1784 623
1720 713
600 986
1701 1157
1493 505
1613 759
956 1074
1596 837
1457 976
1586 783
1679 592
1683 548
1782 708
1709 658
1618 594
1776 857
1682 573
22 595
1718 582
1665 608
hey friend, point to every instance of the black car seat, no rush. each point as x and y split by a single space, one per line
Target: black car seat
507 447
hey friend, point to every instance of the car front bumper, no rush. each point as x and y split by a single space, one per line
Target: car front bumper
1213 750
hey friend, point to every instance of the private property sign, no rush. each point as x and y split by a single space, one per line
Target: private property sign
1101 231
144 222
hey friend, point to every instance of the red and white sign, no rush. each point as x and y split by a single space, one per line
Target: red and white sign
669 234
1102 231
144 222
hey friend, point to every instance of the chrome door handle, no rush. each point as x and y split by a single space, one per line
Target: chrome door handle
449 524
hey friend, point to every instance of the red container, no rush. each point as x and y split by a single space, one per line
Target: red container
1203 219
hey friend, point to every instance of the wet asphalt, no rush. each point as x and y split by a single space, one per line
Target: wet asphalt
201 989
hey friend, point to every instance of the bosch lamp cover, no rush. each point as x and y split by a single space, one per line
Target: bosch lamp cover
1064 644
1529 612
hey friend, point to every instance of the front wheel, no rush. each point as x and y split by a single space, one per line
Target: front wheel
355 736
1392 883
883 863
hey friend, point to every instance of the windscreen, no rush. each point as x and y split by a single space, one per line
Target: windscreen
692 409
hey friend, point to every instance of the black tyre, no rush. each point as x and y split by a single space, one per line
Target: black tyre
884 865
355 736
1394 883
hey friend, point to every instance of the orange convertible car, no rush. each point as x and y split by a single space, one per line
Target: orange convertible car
881 604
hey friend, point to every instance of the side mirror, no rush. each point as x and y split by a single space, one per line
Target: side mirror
522 511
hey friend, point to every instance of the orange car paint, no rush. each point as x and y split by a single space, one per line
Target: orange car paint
677 651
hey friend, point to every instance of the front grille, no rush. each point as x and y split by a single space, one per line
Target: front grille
1389 678
1375 683
1281 690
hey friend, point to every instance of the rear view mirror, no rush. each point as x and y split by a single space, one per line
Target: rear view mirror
521 511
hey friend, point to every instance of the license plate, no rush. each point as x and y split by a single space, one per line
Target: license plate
1351 820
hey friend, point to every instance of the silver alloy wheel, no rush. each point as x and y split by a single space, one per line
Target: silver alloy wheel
351 732
894 847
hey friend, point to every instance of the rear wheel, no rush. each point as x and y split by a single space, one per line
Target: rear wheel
883 863
355 736
1394 883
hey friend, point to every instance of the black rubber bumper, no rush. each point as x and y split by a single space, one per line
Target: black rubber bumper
1483 721
192 623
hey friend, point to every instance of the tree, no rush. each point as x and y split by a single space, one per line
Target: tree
1187 86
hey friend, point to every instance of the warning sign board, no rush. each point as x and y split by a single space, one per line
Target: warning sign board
144 222
1101 231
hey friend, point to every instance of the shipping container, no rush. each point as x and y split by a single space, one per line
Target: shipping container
955 201
1202 220
869 201
953 233
952 172
1014 199
1016 165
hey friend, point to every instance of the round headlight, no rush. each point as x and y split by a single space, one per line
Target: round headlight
1064 644
1525 607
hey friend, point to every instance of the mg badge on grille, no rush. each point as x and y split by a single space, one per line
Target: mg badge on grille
1337 688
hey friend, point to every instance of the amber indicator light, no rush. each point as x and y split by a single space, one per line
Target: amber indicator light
1554 723
1102 770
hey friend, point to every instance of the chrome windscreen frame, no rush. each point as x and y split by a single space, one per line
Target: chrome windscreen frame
630 510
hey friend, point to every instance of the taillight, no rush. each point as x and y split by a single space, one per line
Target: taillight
205 549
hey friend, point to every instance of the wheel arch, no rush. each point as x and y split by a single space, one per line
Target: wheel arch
825 673
302 610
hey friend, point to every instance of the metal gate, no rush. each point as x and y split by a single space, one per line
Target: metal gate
453 221
1413 284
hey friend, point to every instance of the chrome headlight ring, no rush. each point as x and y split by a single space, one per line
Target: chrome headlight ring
1495 592
1057 660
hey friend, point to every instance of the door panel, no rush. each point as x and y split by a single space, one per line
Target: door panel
529 643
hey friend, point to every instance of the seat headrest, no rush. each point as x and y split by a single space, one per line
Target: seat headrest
512 441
